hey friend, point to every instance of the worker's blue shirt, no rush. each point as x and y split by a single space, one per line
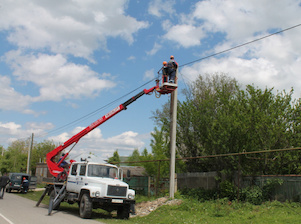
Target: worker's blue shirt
172 66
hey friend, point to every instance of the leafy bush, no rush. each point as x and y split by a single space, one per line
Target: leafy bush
268 190
253 195
227 190
200 194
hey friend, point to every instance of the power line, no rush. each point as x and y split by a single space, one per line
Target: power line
241 45
93 112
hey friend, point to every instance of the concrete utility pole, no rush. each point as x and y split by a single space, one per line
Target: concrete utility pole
29 153
173 132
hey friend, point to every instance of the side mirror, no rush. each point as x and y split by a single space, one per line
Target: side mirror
128 175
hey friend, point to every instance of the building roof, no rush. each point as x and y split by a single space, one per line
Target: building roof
135 171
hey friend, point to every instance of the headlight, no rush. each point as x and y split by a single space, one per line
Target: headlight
97 194
131 196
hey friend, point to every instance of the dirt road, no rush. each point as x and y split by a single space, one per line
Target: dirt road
18 210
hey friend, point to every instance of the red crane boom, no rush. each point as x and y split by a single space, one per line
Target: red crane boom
54 167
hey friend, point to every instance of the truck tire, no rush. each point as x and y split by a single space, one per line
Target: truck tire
123 212
51 197
85 206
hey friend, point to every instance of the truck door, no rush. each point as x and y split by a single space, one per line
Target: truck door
71 180
76 178
81 178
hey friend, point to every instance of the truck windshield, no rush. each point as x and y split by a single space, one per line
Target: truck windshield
102 171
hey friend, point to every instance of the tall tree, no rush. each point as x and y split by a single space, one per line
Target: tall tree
134 158
219 117
115 159
39 151
15 157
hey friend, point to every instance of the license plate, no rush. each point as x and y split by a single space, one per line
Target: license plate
117 201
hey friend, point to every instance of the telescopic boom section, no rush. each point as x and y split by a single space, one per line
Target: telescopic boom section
54 167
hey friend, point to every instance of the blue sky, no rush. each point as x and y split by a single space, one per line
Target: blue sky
61 60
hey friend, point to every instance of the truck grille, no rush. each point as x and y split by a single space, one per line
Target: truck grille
116 191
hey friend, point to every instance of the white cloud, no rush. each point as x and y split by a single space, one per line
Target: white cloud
155 49
131 58
11 99
186 35
11 131
76 28
10 128
94 142
61 138
149 74
55 77
271 62
237 20
160 7
70 27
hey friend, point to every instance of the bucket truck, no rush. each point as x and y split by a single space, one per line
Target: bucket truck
93 185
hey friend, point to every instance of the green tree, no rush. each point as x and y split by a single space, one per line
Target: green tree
219 117
15 157
115 159
267 121
150 167
2 170
134 157
38 154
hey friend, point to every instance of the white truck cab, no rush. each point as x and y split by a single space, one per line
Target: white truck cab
101 180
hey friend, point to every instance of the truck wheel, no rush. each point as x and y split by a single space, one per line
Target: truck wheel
51 197
85 206
123 212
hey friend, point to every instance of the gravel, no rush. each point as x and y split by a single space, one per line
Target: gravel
145 208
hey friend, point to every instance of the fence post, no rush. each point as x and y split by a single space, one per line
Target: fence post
149 186
238 177
158 178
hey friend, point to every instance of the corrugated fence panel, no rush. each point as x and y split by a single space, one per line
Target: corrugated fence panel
289 190
139 184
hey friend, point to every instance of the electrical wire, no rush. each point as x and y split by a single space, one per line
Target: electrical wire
241 45
85 117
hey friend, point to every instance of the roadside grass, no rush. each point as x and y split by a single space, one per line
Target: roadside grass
220 211
193 211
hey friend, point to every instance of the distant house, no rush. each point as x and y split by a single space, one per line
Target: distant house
88 157
42 172
133 171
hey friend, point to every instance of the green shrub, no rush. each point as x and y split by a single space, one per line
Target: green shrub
268 190
200 194
253 195
227 190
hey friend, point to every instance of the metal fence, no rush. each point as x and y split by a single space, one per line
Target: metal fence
148 186
290 189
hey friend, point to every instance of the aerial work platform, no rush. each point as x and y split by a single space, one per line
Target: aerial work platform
167 88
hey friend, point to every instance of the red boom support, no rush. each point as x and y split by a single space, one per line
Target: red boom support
54 167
